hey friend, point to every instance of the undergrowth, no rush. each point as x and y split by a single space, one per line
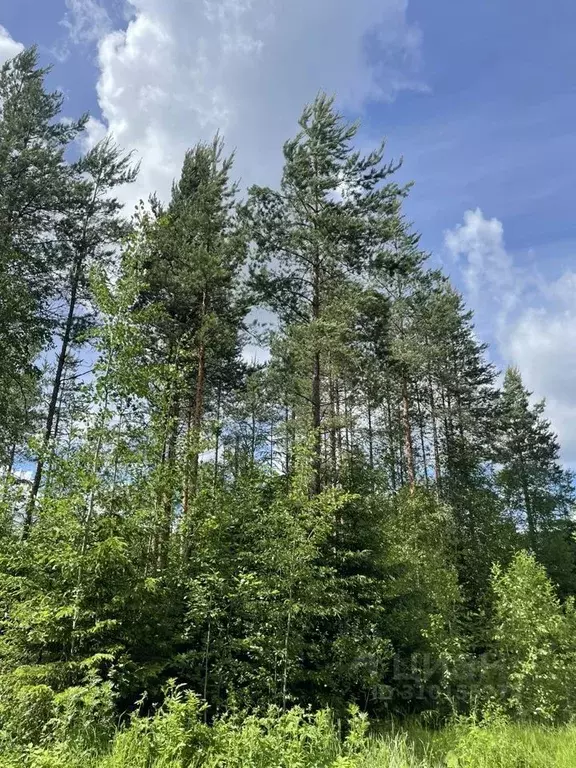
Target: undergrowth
176 735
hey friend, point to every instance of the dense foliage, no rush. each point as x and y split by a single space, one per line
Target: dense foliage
339 506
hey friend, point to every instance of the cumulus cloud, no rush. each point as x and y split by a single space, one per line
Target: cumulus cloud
533 318
488 268
8 47
181 70
542 343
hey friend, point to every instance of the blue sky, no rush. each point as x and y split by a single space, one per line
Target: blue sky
479 98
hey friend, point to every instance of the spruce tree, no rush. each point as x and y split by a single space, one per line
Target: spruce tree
537 490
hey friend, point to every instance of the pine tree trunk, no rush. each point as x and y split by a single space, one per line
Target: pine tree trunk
370 444
316 387
288 444
347 429
191 481
391 440
52 407
370 438
333 441
437 466
316 423
408 444
217 445
339 430
252 438
236 462
54 437
421 427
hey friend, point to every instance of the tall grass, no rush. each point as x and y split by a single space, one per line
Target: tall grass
177 737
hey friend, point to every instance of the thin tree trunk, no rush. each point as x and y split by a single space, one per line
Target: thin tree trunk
437 466
236 457
333 443
288 442
347 426
155 544
316 424
54 437
168 506
339 430
252 438
286 646
316 388
271 444
52 407
217 446
422 437
352 433
391 440
408 444
532 532
206 664
370 440
191 484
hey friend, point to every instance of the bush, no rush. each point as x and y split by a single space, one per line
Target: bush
35 715
177 737
534 673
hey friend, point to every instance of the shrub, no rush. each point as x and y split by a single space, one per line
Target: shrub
534 673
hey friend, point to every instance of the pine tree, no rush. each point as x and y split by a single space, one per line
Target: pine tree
331 216
87 234
34 194
195 251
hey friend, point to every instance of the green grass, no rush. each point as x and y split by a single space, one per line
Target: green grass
177 737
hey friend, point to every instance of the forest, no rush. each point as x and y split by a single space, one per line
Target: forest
264 500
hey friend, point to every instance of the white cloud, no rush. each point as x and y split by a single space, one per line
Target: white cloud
533 319
491 278
8 47
86 20
542 343
94 132
183 69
